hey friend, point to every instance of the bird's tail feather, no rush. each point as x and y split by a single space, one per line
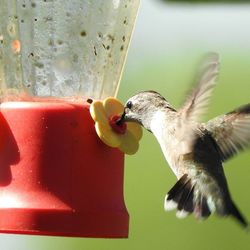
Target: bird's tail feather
181 197
184 197
234 211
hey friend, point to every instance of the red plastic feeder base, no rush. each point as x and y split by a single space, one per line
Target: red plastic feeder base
57 177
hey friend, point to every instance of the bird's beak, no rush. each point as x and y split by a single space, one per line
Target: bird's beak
121 119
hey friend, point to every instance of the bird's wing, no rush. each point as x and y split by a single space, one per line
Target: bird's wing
231 131
196 103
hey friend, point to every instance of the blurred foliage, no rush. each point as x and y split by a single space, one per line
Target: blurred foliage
208 1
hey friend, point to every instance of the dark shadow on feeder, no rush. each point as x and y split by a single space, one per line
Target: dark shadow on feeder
9 153
64 137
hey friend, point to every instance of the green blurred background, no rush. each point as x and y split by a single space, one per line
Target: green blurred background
168 42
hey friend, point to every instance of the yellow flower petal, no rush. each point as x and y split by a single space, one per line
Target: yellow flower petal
129 144
135 129
107 135
112 106
102 112
98 113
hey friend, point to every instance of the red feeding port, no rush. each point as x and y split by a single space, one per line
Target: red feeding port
118 128
57 177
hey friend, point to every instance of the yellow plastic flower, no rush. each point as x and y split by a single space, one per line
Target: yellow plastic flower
124 136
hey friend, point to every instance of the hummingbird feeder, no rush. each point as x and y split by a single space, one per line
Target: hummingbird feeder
56 176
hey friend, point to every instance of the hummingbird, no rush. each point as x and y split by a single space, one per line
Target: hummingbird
195 150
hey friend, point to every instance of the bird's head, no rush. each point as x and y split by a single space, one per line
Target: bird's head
141 107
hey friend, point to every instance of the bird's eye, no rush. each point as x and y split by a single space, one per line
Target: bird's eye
129 105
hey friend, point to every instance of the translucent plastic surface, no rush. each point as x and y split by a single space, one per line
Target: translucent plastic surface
64 48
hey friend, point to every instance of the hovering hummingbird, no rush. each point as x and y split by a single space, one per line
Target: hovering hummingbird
195 151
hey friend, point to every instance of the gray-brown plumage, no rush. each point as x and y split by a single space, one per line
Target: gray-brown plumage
195 151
